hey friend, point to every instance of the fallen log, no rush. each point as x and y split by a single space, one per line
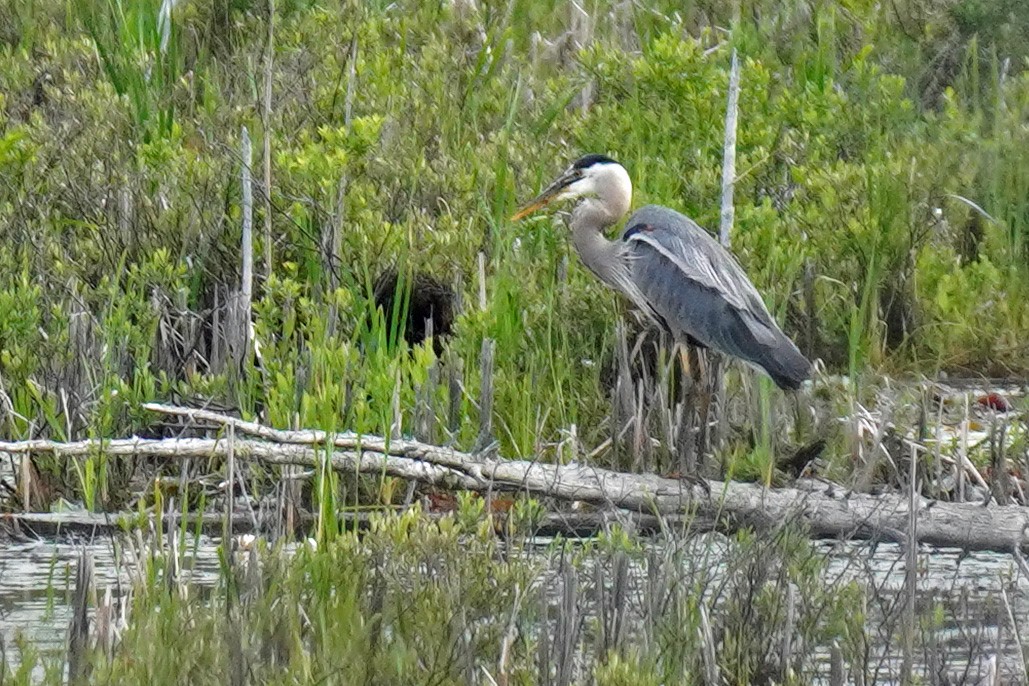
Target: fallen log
820 508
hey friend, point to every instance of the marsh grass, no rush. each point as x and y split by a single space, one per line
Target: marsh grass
409 599
120 209
137 45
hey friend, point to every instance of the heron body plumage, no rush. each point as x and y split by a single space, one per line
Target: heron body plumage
700 290
673 270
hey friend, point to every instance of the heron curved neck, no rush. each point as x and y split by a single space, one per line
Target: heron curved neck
603 257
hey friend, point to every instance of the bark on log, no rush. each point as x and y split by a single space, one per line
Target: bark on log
823 509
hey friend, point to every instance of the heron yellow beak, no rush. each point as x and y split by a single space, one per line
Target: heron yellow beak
550 193
536 204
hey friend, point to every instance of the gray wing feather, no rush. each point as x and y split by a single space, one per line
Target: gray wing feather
697 255
699 289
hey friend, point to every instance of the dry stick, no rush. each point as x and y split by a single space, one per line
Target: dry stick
938 451
27 484
998 439
729 153
233 630
568 626
266 116
726 220
962 453
396 429
910 571
230 481
173 573
455 376
78 632
486 396
246 292
247 283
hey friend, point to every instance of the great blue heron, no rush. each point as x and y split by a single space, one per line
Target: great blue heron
671 269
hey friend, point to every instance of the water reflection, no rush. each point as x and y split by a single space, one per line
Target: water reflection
36 581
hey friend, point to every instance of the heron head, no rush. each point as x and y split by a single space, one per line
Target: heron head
592 175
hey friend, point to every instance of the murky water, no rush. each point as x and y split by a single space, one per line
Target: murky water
36 582
984 597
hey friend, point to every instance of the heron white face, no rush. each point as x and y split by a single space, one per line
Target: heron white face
592 176
608 182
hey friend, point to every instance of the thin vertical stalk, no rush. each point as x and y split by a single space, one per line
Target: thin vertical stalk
567 627
1015 633
707 648
910 571
482 280
510 635
230 481
348 103
455 375
711 440
246 293
266 116
486 395
396 430
1000 482
78 633
28 480
962 453
810 309
729 153
790 629
333 243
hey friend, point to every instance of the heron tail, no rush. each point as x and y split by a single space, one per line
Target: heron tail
785 364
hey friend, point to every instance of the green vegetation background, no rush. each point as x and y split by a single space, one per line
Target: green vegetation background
882 208
882 204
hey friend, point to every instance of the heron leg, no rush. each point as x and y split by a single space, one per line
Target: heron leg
697 404
703 386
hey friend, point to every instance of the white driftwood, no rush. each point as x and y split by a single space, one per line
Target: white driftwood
825 510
